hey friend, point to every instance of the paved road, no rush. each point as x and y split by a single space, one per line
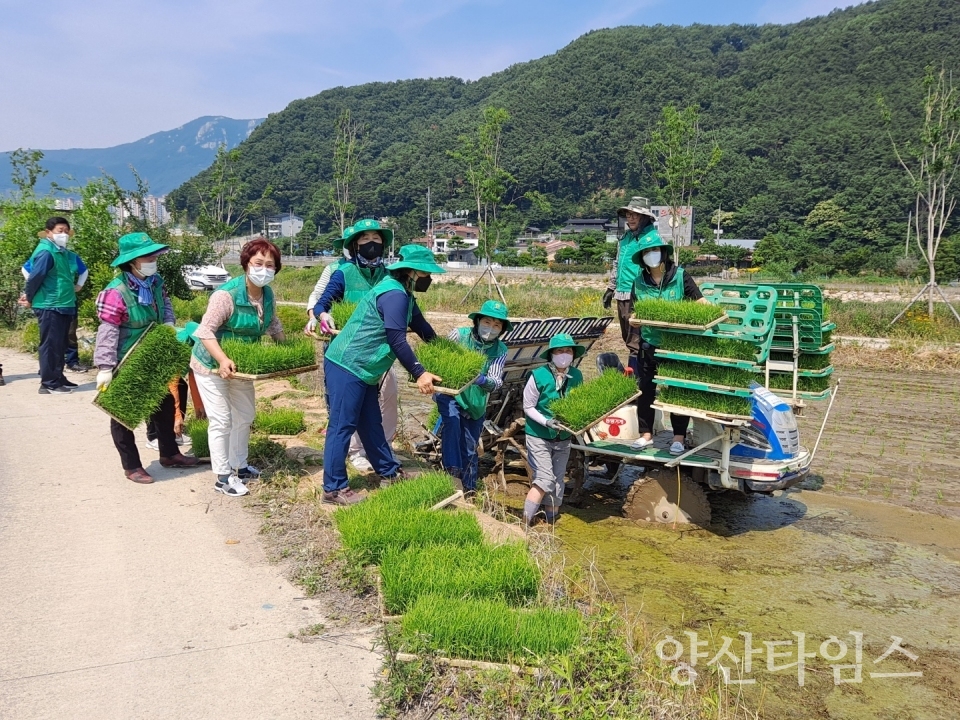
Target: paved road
125 601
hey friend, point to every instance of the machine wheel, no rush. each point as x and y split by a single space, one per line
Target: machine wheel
653 498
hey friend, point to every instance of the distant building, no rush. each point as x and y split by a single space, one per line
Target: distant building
153 210
283 226
466 256
581 225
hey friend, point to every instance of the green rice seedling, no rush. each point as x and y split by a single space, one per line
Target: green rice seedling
455 364
432 418
342 312
141 384
707 401
423 491
293 318
806 362
370 529
501 572
586 404
713 374
488 629
784 381
708 346
261 358
684 312
268 455
279 421
199 441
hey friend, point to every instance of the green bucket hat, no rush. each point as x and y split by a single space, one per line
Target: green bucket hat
342 240
561 341
493 309
416 257
134 245
650 241
367 225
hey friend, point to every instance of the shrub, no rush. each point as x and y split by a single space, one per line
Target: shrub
455 364
586 404
199 441
708 346
707 401
489 629
190 310
684 312
578 269
31 336
11 285
141 384
501 572
261 358
279 421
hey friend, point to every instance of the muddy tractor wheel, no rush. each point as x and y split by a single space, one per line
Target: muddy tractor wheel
653 499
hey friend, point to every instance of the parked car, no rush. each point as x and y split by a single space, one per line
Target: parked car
206 277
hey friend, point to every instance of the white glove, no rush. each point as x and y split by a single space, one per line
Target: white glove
170 324
326 322
311 325
104 378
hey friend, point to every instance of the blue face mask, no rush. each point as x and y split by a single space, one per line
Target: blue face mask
652 258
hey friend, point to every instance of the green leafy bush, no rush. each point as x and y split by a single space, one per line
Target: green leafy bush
279 421
455 364
708 346
684 312
199 441
586 404
502 572
707 401
190 310
141 384
713 374
31 336
260 358
488 629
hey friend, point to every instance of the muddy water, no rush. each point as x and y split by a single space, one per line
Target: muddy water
804 562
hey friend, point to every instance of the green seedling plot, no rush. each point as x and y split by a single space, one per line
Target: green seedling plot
342 312
279 421
263 358
708 346
141 382
585 405
489 572
423 491
456 365
199 442
488 629
711 374
706 401
677 313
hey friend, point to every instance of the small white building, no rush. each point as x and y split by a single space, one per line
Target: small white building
284 226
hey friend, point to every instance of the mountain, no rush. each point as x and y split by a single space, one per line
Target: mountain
793 107
164 159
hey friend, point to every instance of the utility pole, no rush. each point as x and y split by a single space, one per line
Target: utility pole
429 232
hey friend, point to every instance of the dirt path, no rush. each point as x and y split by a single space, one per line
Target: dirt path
126 601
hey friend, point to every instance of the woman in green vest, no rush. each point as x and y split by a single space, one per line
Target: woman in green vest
659 278
311 327
462 416
126 308
242 309
358 357
548 447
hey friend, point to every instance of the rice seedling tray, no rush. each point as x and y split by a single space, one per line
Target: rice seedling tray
445 390
638 322
277 374
825 372
580 431
725 418
456 365
702 386
708 360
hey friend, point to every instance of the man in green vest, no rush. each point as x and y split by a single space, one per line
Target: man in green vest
358 357
548 446
51 291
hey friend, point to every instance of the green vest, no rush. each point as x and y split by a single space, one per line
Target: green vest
671 291
139 316
359 281
244 324
547 387
361 347
474 398
57 289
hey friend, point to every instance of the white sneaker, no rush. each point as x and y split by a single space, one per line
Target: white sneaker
153 444
642 442
179 439
233 487
361 463
677 448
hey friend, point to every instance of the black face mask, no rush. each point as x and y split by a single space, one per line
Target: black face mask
370 250
422 284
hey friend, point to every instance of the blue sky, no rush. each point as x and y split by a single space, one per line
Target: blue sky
100 73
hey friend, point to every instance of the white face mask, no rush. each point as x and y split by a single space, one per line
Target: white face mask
261 276
652 258
60 239
147 269
487 333
562 359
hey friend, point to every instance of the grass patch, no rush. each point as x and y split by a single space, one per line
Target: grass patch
806 362
30 336
685 312
488 629
500 572
455 364
260 358
190 310
279 421
199 440
141 384
784 381
293 318
713 374
586 404
708 346
702 400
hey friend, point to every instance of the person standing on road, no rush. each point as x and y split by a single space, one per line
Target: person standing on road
72 357
126 308
242 309
51 291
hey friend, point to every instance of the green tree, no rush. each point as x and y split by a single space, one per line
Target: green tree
307 237
23 214
348 143
222 196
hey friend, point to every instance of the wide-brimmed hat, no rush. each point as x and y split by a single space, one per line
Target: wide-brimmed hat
416 257
493 309
563 340
650 241
366 226
639 205
134 245
339 242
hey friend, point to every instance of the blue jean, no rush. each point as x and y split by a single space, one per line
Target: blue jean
354 407
459 438
54 328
